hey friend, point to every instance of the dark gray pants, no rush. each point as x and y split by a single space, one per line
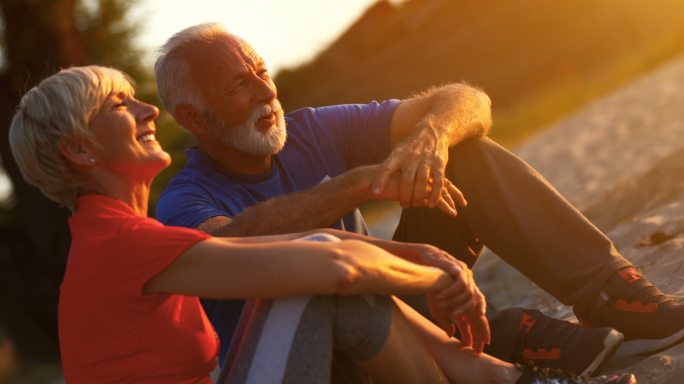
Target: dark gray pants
516 213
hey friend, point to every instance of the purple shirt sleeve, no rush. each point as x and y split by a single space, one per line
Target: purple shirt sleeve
360 132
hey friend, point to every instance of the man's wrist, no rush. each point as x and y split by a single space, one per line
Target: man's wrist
362 184
357 184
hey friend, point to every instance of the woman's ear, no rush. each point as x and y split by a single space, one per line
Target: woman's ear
77 153
190 118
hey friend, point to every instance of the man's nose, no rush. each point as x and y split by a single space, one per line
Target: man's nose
266 90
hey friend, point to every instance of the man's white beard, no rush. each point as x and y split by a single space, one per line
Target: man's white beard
246 137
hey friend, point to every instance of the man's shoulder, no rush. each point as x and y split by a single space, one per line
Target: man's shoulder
308 121
186 184
197 173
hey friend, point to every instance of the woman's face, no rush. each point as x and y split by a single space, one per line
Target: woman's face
124 128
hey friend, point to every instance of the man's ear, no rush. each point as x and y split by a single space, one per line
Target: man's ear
190 118
77 153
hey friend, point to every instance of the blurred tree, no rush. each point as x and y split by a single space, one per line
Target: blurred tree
39 38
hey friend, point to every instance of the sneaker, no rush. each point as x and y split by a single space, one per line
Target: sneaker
650 320
536 375
553 343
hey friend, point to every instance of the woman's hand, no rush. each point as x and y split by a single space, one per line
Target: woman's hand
473 324
462 305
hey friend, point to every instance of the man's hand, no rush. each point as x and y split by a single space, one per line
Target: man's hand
416 169
423 129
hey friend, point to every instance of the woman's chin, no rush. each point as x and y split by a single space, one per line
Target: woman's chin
158 162
161 156
164 160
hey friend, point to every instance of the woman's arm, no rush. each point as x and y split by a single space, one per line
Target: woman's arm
225 268
423 254
261 239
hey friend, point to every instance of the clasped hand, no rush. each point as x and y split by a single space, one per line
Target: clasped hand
414 173
460 305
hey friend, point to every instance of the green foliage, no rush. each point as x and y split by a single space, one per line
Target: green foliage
108 34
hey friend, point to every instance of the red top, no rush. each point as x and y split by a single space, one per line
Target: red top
109 331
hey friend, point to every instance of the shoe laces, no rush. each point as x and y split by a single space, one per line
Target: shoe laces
638 288
533 374
536 330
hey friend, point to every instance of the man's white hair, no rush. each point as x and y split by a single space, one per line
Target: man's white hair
174 83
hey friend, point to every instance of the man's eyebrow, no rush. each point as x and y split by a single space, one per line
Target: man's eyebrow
239 76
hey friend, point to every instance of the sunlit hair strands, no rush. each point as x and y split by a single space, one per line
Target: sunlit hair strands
175 85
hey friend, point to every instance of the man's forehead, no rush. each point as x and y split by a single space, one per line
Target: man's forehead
217 65
247 53
229 50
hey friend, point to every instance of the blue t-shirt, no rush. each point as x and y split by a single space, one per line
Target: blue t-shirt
322 143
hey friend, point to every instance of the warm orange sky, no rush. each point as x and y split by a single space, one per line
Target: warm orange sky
284 32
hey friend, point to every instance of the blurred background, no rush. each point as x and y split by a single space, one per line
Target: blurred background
538 60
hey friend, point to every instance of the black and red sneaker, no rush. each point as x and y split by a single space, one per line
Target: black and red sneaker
554 343
650 320
532 374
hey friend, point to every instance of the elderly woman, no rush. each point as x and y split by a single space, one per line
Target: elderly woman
129 309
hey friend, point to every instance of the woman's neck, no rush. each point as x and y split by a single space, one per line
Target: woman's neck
134 194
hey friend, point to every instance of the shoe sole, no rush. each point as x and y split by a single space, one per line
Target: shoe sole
611 343
648 346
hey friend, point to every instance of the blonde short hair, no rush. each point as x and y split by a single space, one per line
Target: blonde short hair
59 108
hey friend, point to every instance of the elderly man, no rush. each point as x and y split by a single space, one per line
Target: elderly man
459 191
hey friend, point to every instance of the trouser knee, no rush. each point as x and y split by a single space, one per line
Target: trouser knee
363 325
432 226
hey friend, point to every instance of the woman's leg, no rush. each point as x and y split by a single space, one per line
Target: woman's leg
459 364
292 340
402 358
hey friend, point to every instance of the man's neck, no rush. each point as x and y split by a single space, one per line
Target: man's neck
231 160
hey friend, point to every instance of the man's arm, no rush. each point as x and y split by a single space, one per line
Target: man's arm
319 206
316 207
421 132
423 128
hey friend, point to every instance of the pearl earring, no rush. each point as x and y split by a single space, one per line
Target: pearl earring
91 160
